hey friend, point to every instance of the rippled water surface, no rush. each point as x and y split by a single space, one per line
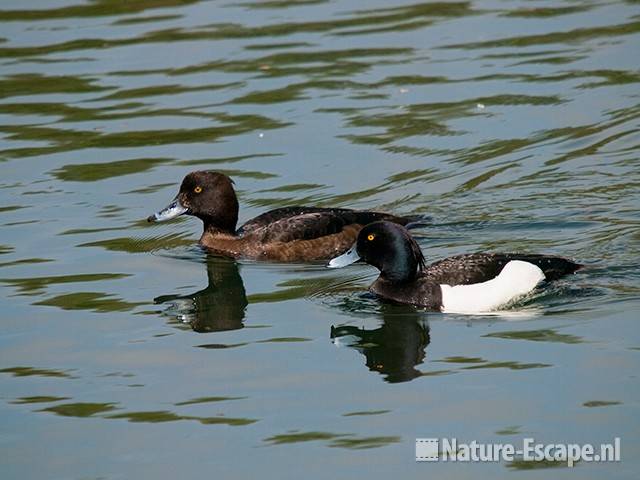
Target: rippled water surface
127 352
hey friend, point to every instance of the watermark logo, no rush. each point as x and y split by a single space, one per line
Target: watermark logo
450 450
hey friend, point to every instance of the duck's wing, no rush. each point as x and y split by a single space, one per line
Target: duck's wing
307 223
481 267
272 216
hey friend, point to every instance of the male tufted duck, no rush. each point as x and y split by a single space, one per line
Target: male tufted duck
477 282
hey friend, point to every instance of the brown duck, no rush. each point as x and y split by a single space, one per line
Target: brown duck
289 234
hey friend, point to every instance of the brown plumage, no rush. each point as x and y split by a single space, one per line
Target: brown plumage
290 234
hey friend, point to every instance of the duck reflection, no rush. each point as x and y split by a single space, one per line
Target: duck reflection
218 307
395 348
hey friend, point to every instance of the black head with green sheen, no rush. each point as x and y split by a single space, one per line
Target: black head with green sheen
208 196
387 246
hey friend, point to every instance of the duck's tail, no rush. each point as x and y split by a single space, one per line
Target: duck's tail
417 221
553 267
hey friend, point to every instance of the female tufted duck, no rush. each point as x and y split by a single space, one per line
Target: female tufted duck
290 234
477 282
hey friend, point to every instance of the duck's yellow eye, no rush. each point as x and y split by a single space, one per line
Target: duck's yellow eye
371 236
198 189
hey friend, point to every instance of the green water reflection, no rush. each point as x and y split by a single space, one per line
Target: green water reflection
395 348
218 307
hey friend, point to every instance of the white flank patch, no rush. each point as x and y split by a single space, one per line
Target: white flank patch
345 341
516 279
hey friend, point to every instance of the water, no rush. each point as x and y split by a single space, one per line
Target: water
126 352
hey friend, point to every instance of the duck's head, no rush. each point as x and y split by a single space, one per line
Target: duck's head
206 195
387 246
